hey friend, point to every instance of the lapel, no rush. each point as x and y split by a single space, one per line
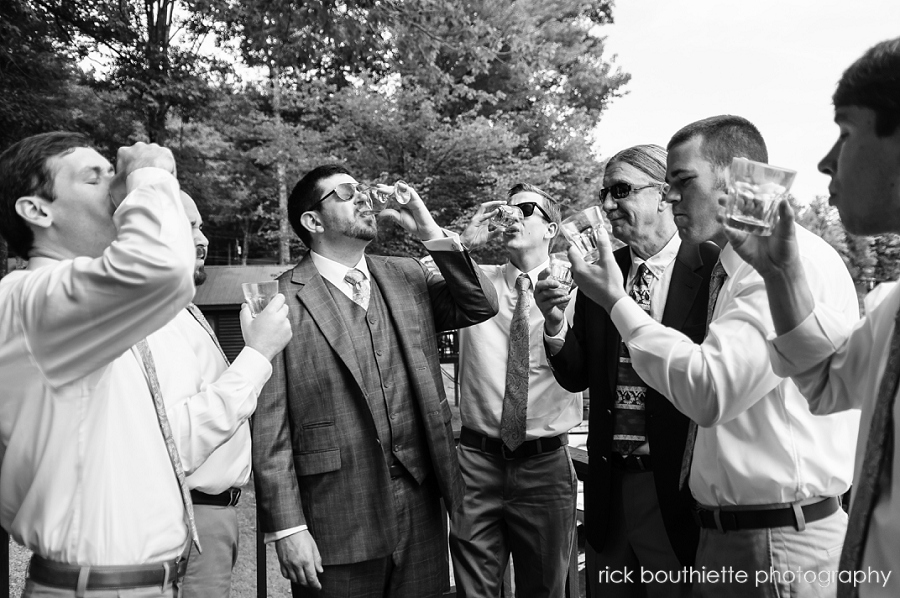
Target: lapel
613 338
685 284
316 298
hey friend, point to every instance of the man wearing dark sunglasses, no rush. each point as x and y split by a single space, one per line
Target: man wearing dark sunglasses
352 443
521 487
635 514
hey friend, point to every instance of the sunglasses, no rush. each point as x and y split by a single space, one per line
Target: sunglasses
528 208
623 190
346 192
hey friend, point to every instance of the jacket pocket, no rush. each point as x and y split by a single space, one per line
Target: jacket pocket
315 462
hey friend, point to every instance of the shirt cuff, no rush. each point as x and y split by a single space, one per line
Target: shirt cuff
450 242
270 537
148 175
555 343
254 366
628 316
804 347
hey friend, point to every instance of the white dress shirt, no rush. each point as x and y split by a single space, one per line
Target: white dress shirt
85 477
838 367
206 401
758 442
483 351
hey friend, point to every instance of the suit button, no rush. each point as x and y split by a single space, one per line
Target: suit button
387 385
378 353
396 448
372 319
604 458
609 412
393 416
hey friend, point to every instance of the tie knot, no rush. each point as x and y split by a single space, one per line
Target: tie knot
523 283
354 277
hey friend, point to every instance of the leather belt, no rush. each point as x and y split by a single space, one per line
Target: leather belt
229 498
631 462
82 578
792 514
495 446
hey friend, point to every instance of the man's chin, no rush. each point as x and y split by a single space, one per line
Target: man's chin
199 276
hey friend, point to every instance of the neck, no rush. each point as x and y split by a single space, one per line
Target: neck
526 261
346 255
647 248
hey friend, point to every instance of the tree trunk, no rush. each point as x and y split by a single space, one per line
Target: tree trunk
4 258
159 15
284 227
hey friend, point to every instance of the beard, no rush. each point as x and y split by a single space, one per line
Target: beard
199 275
362 231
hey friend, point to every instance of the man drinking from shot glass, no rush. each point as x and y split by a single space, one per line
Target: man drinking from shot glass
520 483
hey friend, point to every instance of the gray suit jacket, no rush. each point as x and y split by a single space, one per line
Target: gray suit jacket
317 459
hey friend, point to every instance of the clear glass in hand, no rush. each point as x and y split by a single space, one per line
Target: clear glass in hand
560 269
258 294
581 230
506 216
380 197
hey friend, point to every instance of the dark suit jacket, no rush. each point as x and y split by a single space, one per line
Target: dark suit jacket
317 459
590 358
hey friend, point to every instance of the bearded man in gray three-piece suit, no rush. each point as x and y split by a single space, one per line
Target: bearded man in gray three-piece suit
352 444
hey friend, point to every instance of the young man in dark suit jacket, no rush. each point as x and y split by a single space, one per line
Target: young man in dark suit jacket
352 444
636 514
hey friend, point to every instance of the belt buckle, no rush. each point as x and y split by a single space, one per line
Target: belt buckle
235 496
505 452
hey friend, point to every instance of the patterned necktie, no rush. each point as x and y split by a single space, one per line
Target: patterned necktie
876 466
361 289
174 458
716 280
515 397
201 319
629 423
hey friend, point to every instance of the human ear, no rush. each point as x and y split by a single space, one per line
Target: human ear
35 210
312 222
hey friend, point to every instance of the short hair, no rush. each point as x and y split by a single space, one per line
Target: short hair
553 208
24 171
724 138
649 159
873 82
306 194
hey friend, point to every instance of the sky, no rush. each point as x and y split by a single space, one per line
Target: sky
774 62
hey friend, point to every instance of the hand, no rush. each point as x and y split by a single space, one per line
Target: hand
479 231
413 217
602 282
774 256
551 298
139 155
269 331
300 560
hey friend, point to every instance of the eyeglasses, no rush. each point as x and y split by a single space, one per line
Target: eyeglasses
528 207
623 190
346 192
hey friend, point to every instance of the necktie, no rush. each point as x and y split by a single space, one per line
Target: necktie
629 423
716 280
174 458
201 319
876 466
361 289
515 396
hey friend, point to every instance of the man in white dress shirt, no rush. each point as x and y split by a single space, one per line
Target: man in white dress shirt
87 481
836 366
767 473
519 500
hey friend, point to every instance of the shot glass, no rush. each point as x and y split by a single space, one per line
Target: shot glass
581 230
506 216
379 198
753 193
258 294
560 269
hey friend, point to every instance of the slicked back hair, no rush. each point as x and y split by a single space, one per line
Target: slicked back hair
649 159
306 194
873 82
723 138
552 206
24 171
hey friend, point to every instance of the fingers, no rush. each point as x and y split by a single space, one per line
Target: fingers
275 304
542 275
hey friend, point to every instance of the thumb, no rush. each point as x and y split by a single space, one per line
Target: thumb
246 317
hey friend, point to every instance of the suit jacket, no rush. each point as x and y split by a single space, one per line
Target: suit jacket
317 458
593 340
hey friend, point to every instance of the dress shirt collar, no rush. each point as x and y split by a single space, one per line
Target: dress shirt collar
658 263
334 272
511 273
731 261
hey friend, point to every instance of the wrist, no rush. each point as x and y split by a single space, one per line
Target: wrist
431 234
